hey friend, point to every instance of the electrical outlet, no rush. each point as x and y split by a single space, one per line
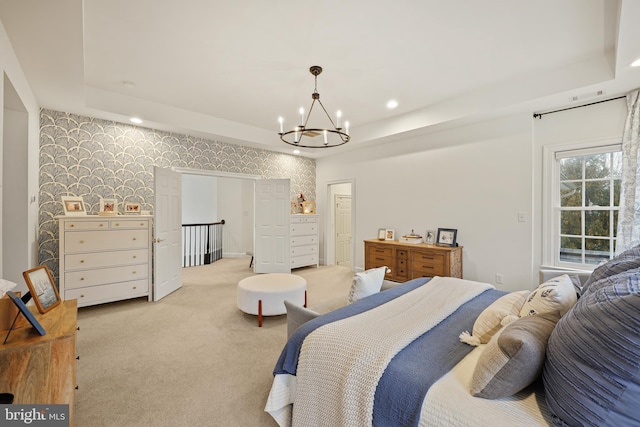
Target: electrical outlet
499 279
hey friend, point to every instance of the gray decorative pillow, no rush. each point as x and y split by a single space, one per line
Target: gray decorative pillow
592 372
514 357
625 261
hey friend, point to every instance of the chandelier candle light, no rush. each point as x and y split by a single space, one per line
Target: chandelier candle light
304 135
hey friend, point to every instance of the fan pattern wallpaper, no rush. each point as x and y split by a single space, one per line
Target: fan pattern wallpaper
94 158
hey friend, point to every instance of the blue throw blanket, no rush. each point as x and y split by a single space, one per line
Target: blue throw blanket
403 386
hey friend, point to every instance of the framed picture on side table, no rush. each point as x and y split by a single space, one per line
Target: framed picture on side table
390 234
26 313
43 291
446 236
382 233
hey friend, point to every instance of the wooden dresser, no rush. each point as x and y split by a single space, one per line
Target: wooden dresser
304 240
408 261
41 369
104 259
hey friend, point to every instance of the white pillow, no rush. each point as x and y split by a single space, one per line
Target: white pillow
557 293
491 319
366 283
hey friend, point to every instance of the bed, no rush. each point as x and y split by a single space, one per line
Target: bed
396 358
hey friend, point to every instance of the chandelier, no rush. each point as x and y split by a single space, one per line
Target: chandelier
310 136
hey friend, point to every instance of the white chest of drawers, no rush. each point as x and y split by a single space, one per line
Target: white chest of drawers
104 259
304 240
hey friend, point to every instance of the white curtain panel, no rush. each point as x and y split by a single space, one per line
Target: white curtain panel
629 215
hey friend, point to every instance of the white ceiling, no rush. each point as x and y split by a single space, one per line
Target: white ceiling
226 70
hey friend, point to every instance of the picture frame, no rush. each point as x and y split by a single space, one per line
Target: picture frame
382 233
43 291
108 207
308 207
132 208
430 237
73 206
447 237
26 313
390 234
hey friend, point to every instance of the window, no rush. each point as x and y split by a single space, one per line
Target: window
585 199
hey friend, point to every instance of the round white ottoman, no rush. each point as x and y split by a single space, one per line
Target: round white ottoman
264 294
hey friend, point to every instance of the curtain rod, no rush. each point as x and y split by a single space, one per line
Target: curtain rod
539 115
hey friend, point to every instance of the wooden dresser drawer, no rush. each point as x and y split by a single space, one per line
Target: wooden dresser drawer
83 241
105 259
101 276
376 251
427 264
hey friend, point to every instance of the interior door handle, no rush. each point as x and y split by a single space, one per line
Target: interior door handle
158 240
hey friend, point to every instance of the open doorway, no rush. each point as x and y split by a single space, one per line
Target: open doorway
340 227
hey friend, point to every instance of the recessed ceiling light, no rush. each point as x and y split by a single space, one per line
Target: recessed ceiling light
135 120
392 104
636 63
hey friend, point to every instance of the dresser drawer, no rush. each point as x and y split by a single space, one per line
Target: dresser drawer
427 264
105 259
101 276
304 250
304 229
107 293
304 260
129 223
84 241
301 219
96 224
377 251
304 240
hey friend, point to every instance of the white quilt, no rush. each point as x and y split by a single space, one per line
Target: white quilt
341 363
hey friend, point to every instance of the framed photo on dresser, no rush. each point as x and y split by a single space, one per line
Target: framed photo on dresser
446 236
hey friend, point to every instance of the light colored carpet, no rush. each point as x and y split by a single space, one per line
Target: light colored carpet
191 359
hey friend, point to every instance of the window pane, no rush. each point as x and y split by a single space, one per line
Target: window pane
571 168
596 223
571 222
596 250
616 192
615 223
597 166
571 249
570 194
597 193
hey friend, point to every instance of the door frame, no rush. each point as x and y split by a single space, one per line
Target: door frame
329 239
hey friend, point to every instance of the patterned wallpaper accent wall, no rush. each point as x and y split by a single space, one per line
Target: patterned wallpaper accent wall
94 158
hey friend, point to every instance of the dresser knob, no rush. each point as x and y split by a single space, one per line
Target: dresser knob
81 241
135 256
135 287
81 261
101 225
135 272
81 296
82 278
135 238
71 225
141 224
117 224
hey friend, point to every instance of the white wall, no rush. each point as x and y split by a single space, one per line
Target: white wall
28 205
598 122
474 178
199 199
235 206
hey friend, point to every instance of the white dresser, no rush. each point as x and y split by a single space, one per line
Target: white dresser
105 259
304 240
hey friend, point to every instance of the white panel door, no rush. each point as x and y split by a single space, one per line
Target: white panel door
343 229
167 271
272 252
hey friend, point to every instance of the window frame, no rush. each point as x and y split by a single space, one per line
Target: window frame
552 154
